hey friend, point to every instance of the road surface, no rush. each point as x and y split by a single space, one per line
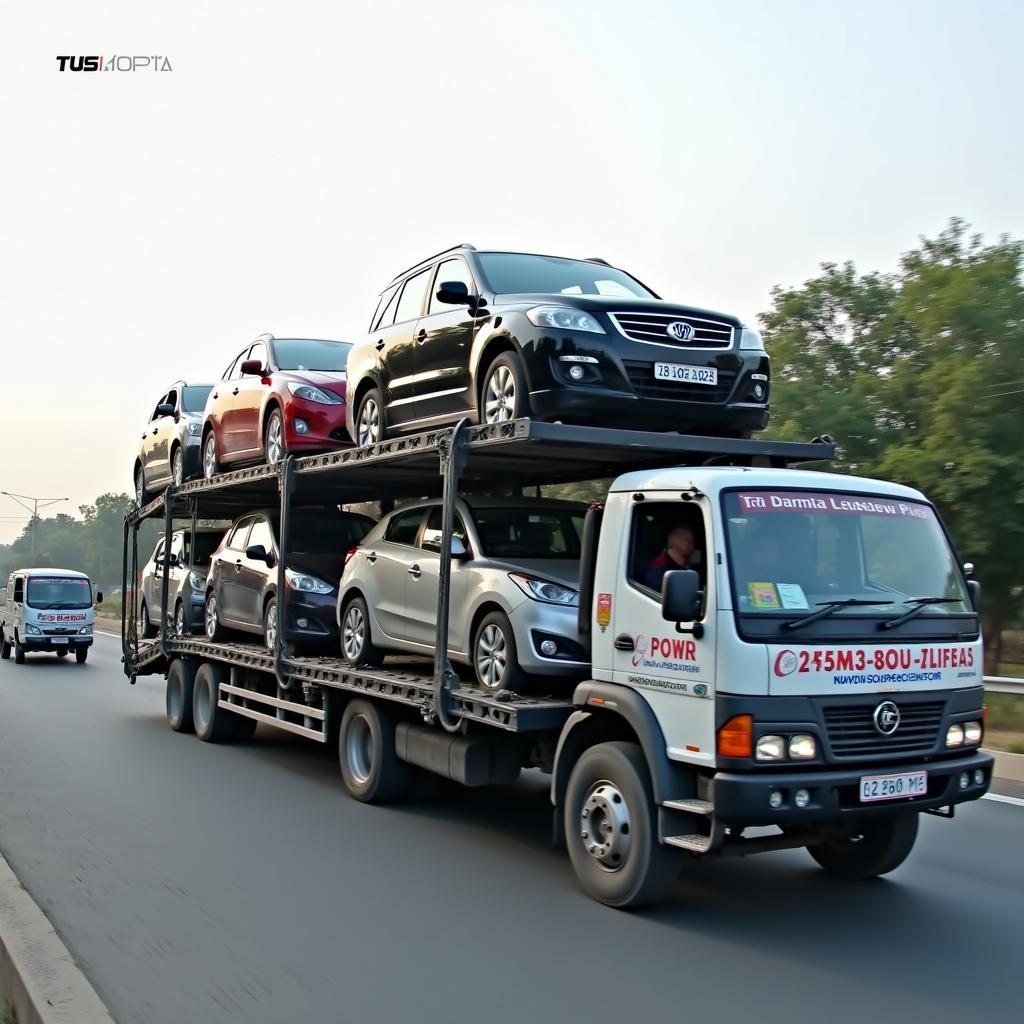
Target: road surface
200 884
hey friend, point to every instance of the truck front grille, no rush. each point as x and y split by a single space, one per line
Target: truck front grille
852 733
653 327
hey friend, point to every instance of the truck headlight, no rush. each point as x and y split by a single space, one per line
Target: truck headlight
955 735
563 318
770 748
802 747
314 394
306 583
972 732
750 338
33 630
544 590
85 631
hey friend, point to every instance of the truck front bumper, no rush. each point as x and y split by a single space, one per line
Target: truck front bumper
49 643
834 794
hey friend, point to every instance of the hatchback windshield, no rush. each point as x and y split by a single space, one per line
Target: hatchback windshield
794 552
528 533
308 354
193 397
520 273
58 592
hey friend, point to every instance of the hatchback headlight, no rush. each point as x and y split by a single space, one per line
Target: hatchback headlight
195 428
306 583
33 630
750 338
563 318
544 590
197 581
314 394
770 748
85 631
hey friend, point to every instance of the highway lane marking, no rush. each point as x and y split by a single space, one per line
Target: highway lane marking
1000 799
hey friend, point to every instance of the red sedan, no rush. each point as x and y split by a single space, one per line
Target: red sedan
279 395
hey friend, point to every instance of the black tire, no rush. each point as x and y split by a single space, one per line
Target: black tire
504 393
177 466
244 728
5 646
630 867
81 655
182 627
274 447
495 657
141 494
355 622
181 678
372 771
215 632
211 464
375 428
146 627
19 653
270 624
62 654
213 724
877 846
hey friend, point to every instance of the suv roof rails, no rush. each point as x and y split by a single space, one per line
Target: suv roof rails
596 259
427 259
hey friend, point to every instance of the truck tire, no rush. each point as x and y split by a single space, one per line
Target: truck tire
19 652
181 677
244 728
370 767
495 658
877 846
213 724
610 821
215 632
146 624
81 655
5 646
357 647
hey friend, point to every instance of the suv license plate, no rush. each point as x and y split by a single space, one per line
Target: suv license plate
58 639
682 374
892 787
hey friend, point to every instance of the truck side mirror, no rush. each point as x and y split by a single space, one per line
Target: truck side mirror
99 597
455 293
974 590
682 600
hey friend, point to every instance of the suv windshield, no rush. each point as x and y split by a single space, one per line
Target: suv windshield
58 592
520 273
794 552
193 397
529 533
308 354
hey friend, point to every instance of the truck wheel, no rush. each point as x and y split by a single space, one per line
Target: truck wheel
372 771
81 654
211 616
610 828
371 424
148 629
495 658
181 677
505 395
19 653
357 647
244 727
213 723
877 846
5 646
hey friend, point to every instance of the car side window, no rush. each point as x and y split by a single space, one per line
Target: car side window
665 535
450 270
258 351
172 398
432 531
384 314
236 540
235 370
158 550
405 526
411 302
261 533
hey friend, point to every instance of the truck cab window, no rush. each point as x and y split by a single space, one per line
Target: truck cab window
19 590
665 535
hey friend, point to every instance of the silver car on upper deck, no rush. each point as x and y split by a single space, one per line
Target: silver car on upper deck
514 599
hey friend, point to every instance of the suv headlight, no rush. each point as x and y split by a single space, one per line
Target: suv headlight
195 428
563 318
33 630
197 581
544 590
314 394
750 338
307 584
85 631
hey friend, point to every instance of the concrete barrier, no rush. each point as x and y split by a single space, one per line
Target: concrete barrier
1008 766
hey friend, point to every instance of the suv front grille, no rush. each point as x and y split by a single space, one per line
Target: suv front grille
641 380
852 733
652 327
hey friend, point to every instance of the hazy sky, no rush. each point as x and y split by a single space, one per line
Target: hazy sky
301 153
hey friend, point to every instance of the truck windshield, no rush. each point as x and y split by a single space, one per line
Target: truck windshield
529 533
796 552
58 592
309 354
520 273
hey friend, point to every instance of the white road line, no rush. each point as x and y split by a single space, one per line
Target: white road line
1000 799
103 632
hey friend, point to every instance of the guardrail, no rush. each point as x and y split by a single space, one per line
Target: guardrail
1004 684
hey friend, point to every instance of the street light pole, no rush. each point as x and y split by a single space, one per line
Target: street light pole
37 504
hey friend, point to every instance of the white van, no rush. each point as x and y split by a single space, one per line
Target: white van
47 610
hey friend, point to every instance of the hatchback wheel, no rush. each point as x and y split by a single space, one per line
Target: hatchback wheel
504 392
495 659
356 645
178 467
180 626
270 624
148 629
210 466
214 630
371 425
275 438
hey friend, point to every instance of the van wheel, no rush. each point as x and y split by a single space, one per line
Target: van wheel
505 395
181 678
81 655
213 723
371 423
148 629
19 653
5 646
357 647
609 818
876 847
211 617
495 658
370 767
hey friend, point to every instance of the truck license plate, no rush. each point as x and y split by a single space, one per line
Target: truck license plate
681 374
58 639
892 787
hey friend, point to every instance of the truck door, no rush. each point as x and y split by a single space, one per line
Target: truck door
674 671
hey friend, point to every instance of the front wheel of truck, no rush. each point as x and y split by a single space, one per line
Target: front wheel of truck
875 847
611 828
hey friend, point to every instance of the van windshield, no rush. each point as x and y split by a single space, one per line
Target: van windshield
796 552
58 592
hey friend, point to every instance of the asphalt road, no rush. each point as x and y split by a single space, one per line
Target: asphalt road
196 883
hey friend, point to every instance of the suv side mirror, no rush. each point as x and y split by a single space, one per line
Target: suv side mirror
99 597
974 591
165 409
455 293
253 367
258 553
682 600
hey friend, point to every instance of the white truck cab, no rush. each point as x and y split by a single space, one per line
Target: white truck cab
47 610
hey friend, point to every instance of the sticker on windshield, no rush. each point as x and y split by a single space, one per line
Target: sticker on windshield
792 595
824 501
763 595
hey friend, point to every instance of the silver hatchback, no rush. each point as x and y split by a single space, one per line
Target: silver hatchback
514 599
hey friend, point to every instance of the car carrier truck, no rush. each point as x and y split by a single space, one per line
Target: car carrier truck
811 678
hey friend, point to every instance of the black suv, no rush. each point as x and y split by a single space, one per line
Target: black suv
498 335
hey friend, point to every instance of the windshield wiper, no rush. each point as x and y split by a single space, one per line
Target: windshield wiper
919 603
830 608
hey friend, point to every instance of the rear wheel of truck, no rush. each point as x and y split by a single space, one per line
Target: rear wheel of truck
357 648
370 767
81 654
181 677
611 827
876 847
5 646
213 723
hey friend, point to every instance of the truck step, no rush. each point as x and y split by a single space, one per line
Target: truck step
692 844
705 807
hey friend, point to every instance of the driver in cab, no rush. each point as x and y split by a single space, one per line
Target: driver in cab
677 554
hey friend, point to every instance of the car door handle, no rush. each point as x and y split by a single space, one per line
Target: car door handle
235 392
380 345
421 337
216 395
624 642
414 571
154 433
371 557
238 565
